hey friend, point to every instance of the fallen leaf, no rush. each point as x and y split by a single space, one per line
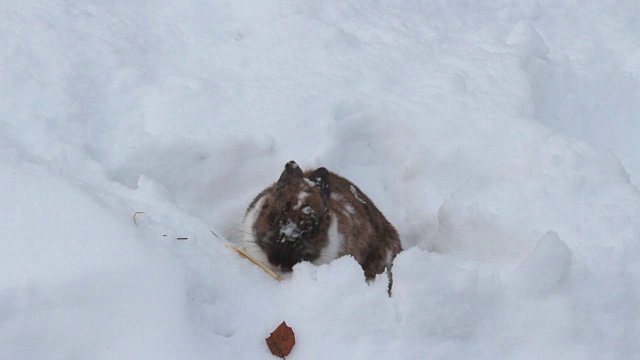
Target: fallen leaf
281 340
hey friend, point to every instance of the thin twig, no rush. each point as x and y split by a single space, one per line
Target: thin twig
214 234
134 216
182 238
255 261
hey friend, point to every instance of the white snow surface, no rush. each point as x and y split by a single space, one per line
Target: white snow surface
502 138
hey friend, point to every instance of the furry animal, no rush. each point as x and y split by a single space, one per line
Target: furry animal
318 216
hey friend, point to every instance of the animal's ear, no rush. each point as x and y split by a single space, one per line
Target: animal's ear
320 177
291 171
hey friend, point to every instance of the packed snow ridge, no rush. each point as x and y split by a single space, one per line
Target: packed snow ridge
500 138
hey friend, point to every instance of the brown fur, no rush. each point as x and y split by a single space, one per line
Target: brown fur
291 227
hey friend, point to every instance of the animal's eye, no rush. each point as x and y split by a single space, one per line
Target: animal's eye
286 208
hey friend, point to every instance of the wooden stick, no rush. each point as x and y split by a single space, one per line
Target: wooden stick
255 261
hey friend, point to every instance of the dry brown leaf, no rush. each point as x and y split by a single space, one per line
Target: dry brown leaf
281 340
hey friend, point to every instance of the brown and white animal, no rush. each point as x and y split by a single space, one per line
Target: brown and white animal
317 216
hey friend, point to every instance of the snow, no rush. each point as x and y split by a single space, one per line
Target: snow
301 196
547 267
500 138
290 231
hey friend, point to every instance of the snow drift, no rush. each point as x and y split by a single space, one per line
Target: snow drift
501 139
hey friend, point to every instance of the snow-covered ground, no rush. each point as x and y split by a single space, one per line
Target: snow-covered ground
502 138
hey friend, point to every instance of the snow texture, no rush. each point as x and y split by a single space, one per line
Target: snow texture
501 138
289 230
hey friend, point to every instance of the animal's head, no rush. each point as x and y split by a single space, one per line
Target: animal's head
293 219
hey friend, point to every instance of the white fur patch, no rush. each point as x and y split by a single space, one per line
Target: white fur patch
334 246
249 242
301 196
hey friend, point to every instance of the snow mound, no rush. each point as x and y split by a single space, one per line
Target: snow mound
500 138
547 268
